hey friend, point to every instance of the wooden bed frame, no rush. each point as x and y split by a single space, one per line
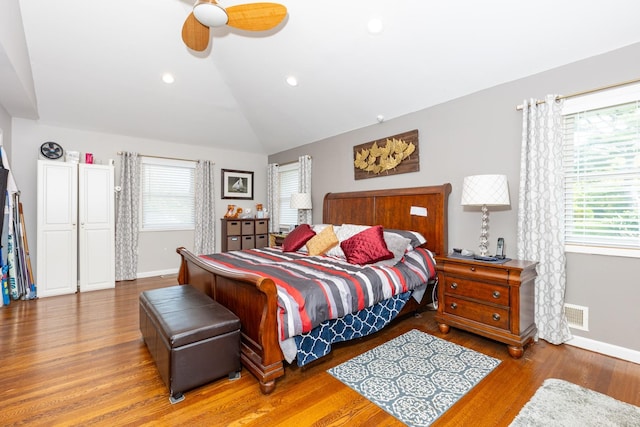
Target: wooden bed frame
254 299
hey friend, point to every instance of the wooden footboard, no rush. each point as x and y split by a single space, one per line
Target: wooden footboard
254 300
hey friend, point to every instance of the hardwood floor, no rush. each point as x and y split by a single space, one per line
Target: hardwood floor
80 360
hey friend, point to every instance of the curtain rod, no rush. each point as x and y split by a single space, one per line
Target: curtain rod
161 157
293 161
586 92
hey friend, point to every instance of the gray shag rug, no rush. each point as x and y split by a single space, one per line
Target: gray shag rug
561 403
415 377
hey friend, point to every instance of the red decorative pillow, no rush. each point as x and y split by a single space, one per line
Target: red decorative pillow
366 247
297 238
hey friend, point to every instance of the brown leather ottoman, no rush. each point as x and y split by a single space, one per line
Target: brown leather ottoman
192 338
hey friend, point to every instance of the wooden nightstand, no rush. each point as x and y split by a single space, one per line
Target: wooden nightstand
492 300
276 239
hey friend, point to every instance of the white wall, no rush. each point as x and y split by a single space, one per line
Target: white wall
156 249
481 133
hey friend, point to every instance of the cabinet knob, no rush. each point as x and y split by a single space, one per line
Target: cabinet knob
472 269
454 285
454 305
496 294
496 317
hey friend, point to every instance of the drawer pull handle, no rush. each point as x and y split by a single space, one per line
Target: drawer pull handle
496 294
454 305
473 269
454 285
496 317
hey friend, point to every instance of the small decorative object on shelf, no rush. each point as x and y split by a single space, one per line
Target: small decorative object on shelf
230 211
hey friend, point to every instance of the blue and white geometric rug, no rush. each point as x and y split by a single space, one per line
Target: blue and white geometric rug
415 377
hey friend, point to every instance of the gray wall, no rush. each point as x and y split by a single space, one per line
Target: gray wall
480 133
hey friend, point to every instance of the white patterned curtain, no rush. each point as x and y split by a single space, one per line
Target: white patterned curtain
273 196
305 216
541 213
205 227
127 207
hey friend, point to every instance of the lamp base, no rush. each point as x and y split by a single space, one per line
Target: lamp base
484 232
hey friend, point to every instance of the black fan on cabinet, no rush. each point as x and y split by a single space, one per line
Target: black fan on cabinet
51 150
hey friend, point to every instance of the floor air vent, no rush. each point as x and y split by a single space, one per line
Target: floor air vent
577 316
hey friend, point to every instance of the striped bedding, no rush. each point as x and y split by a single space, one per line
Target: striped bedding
313 289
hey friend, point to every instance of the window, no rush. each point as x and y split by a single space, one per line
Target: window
167 194
288 185
602 172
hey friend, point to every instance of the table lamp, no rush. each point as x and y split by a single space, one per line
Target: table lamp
485 190
300 201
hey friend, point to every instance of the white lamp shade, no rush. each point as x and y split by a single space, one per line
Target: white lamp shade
301 201
489 190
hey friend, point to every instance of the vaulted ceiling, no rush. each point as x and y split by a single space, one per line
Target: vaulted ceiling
97 65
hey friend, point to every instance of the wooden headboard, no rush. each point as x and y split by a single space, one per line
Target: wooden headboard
391 209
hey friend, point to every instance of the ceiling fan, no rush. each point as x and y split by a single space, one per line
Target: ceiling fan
250 16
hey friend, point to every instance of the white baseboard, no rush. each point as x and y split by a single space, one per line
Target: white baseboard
157 273
604 348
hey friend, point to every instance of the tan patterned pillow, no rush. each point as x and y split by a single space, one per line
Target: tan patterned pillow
322 242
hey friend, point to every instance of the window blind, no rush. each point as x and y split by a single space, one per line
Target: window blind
602 176
167 194
288 185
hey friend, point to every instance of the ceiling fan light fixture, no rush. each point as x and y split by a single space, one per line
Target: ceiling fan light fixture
208 13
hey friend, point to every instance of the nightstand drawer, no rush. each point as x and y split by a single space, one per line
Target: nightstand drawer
489 292
474 270
488 315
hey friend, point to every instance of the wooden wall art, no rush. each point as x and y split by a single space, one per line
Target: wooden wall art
387 156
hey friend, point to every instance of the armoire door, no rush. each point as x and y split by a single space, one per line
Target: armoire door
96 251
57 267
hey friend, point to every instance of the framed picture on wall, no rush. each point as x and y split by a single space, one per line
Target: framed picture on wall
237 184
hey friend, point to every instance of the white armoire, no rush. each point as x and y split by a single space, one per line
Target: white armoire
76 231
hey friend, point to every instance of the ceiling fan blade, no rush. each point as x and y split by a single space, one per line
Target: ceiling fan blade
256 16
194 34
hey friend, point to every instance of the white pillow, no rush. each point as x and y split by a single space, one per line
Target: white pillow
398 245
416 238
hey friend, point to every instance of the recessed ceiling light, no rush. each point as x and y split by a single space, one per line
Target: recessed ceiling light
168 78
374 26
292 81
